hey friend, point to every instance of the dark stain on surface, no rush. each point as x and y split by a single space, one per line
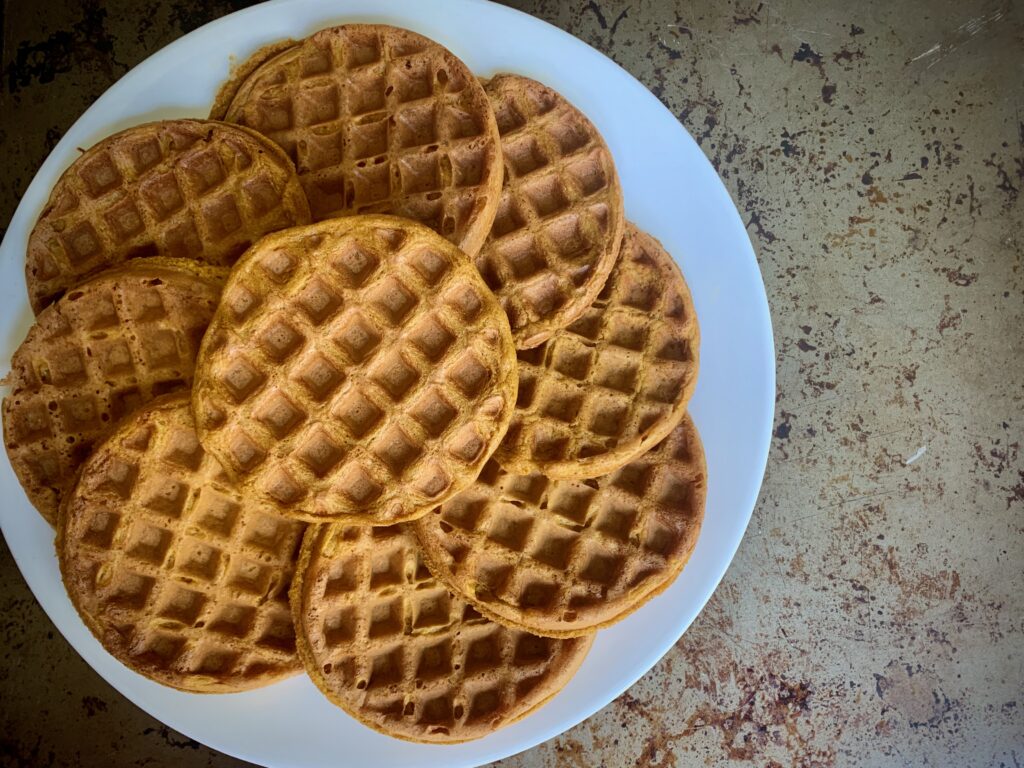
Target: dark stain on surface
594 8
92 705
957 276
782 431
769 709
187 15
750 18
673 54
807 55
827 92
87 42
762 232
172 738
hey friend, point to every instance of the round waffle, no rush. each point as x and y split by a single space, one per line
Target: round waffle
114 342
183 188
559 224
174 573
566 557
379 120
391 646
604 390
357 370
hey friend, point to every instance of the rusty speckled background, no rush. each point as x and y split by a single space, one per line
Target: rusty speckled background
874 615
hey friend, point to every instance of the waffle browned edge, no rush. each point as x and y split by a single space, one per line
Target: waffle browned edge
312 669
509 379
39 500
626 451
240 72
536 333
242 79
99 632
39 302
444 575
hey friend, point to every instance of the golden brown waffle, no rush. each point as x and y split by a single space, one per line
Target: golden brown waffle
178 576
183 188
357 370
560 220
564 557
380 120
604 390
109 345
391 646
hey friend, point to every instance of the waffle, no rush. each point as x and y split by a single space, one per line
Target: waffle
357 370
391 646
183 188
114 342
379 120
176 575
604 390
559 224
565 557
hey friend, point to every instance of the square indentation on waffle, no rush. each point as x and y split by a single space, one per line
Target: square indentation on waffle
162 195
357 335
367 141
415 126
143 155
261 194
419 173
393 300
100 175
125 220
182 605
148 543
278 413
241 379
81 243
319 452
396 450
164 494
354 263
318 300
358 413
394 375
216 512
320 377
431 337
524 154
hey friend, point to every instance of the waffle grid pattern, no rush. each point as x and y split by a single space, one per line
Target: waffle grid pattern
176 575
362 376
561 557
381 120
185 189
559 223
392 646
615 382
117 341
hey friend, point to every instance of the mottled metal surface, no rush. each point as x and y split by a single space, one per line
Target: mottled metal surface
874 614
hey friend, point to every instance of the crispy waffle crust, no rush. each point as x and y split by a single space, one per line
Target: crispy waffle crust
560 557
193 189
559 224
357 370
380 120
395 649
114 342
610 386
174 573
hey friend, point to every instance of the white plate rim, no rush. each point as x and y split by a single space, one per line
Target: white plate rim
584 79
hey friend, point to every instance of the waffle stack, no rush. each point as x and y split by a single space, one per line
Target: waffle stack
366 376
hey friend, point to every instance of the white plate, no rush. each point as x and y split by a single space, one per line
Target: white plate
671 191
